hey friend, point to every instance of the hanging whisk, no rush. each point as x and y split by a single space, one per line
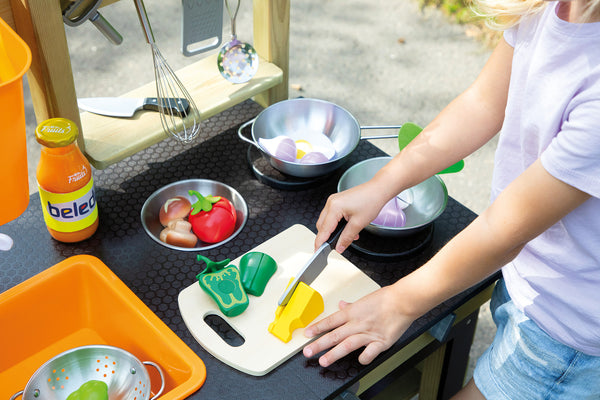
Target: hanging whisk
178 113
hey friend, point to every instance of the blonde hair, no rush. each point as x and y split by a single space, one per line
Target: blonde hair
592 10
503 14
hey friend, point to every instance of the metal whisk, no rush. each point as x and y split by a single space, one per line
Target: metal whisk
178 113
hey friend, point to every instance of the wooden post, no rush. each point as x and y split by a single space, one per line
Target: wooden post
40 24
272 41
431 376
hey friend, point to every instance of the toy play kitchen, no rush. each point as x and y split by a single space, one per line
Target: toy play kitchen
123 289
160 283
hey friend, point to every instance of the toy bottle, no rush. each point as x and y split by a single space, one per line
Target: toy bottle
65 182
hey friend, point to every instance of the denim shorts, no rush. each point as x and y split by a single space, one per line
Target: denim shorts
523 362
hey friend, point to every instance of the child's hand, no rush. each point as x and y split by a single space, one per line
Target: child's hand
358 205
375 321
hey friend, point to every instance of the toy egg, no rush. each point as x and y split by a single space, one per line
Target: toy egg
310 141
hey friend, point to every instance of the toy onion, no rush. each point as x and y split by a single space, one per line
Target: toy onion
391 215
314 157
281 147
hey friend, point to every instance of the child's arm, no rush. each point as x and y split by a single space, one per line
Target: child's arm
465 125
527 207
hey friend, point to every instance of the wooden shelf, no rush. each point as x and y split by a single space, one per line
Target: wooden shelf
109 140
106 140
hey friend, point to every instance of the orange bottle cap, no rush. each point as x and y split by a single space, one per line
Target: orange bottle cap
56 132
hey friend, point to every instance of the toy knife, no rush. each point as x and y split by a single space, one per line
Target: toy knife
315 265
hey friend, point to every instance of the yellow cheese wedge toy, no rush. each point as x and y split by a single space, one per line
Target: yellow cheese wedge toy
304 306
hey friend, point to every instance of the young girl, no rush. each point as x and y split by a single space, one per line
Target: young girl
541 90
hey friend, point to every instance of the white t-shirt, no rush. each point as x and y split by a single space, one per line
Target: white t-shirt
553 112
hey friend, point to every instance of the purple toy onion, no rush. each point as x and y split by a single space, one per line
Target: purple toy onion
391 215
281 147
314 157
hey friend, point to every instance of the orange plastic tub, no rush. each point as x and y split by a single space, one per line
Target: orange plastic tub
78 302
15 59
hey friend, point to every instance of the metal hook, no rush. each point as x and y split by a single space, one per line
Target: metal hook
233 17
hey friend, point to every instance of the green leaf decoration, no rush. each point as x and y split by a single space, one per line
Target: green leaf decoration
212 266
203 203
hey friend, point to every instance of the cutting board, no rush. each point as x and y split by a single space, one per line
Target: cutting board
261 352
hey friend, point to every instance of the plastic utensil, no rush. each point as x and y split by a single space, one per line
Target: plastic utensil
409 131
183 126
237 61
315 265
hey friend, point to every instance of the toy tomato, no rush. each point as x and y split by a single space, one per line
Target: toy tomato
212 217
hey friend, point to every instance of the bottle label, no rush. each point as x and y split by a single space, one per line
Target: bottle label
70 212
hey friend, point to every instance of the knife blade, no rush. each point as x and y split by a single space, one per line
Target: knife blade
315 265
126 107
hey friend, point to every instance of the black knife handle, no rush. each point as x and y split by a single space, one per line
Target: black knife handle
177 106
335 235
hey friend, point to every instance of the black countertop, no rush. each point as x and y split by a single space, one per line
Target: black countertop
157 274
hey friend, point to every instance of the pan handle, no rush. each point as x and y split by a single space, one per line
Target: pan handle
381 136
162 378
14 396
106 28
244 138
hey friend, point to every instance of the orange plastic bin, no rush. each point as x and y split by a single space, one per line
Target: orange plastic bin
79 302
15 59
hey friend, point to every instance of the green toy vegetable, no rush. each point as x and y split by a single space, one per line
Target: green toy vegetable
90 390
222 282
256 269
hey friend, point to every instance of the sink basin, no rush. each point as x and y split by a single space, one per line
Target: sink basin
79 302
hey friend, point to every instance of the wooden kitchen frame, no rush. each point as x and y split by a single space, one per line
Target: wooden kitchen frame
106 140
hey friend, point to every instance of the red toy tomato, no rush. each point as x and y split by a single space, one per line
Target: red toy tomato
212 218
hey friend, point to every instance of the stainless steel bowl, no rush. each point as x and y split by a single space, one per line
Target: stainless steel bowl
152 205
306 115
125 375
429 198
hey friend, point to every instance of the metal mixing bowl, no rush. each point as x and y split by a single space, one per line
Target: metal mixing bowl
152 205
125 375
306 115
430 198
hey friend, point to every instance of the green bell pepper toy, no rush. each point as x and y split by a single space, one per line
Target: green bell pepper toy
90 390
222 282
256 269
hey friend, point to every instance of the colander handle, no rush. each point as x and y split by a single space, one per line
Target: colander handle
162 378
244 138
14 396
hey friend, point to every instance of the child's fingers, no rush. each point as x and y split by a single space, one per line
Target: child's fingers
343 348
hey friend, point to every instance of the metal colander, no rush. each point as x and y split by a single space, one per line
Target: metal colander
125 376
